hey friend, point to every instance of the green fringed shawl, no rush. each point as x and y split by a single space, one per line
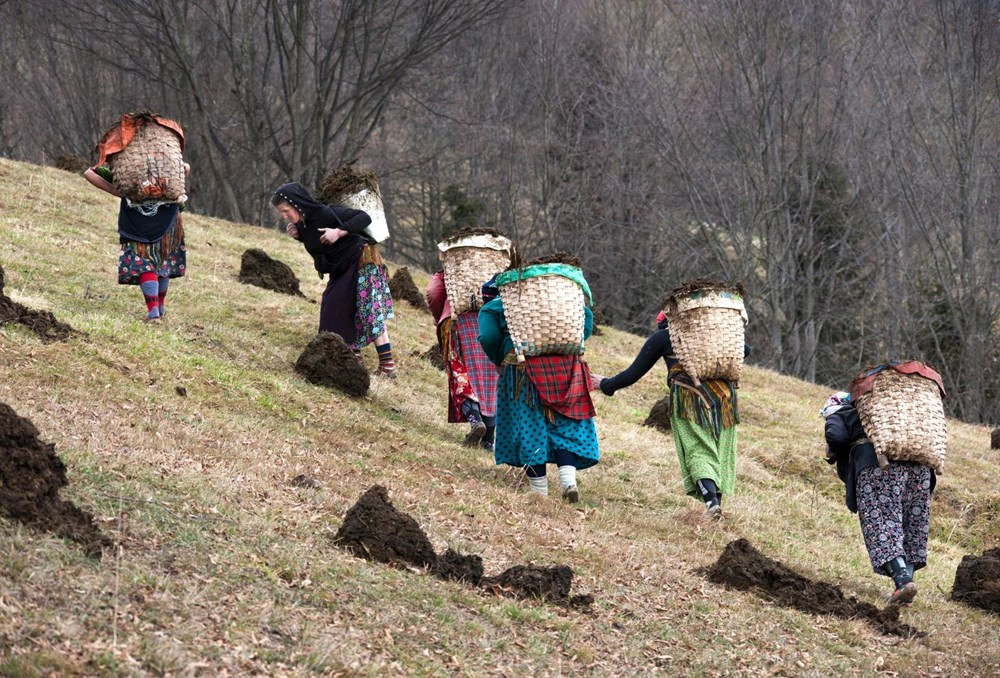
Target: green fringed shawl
712 405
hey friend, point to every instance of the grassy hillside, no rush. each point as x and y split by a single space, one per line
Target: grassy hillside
224 566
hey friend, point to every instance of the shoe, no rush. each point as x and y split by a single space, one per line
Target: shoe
390 373
475 434
903 596
571 494
714 511
488 447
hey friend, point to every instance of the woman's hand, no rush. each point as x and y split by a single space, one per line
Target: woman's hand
595 381
328 236
292 230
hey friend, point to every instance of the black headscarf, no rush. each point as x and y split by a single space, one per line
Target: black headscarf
315 214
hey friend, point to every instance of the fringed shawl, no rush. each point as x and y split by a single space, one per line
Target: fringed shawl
712 405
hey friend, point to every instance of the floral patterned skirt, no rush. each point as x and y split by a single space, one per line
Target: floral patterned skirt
167 257
373 306
894 506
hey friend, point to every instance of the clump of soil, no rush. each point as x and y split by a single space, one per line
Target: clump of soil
346 181
699 284
42 323
258 268
31 474
402 287
994 438
71 162
453 565
328 361
433 356
977 581
374 529
659 415
743 567
530 581
470 231
555 258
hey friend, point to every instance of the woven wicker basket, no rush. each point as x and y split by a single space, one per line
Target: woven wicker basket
903 415
465 271
151 167
708 333
545 315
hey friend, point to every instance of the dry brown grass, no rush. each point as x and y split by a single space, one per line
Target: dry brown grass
225 567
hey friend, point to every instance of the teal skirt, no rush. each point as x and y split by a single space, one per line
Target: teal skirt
525 436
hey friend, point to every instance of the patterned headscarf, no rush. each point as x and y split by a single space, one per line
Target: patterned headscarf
490 290
836 402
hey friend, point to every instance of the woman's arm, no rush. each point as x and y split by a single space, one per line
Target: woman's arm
491 330
99 181
838 437
656 347
352 221
436 295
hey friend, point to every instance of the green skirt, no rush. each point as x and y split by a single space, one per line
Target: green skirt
701 455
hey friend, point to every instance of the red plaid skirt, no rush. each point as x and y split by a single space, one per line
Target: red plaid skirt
471 375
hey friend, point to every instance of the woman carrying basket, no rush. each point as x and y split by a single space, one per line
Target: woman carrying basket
703 418
544 411
472 378
152 243
356 303
892 503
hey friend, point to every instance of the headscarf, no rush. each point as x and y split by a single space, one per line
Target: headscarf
315 214
490 291
835 403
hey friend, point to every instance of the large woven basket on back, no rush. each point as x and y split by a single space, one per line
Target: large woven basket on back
708 331
545 314
357 189
468 263
903 415
151 166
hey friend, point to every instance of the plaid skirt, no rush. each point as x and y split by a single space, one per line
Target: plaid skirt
471 375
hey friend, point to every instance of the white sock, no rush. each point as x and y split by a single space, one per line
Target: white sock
567 476
539 485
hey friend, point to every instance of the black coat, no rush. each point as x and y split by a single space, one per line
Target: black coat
335 259
843 430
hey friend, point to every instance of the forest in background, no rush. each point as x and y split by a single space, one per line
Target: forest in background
840 159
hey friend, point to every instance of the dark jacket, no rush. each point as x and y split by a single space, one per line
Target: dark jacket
843 433
337 258
657 346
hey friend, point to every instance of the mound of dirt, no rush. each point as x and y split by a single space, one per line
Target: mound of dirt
402 287
453 565
31 474
743 567
977 581
659 415
556 258
470 231
71 162
994 438
433 356
42 323
374 529
328 361
258 268
699 284
529 581
346 181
